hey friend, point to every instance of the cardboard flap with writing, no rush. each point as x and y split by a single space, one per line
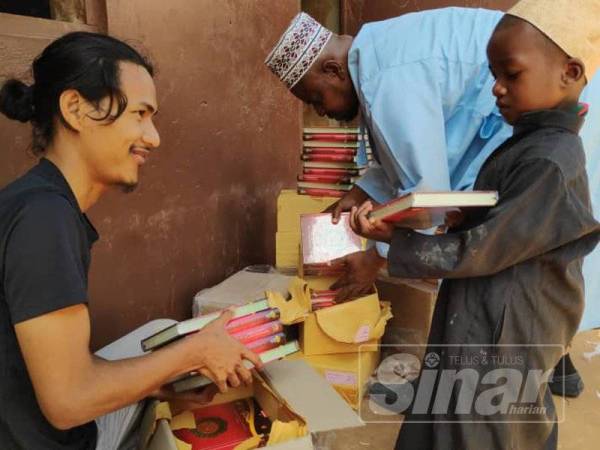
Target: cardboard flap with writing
354 322
317 401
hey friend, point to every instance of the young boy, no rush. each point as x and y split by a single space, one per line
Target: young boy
512 296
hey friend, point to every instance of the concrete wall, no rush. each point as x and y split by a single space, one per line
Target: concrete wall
230 141
356 12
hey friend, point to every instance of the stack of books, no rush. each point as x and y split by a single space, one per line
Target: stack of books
332 159
322 298
255 325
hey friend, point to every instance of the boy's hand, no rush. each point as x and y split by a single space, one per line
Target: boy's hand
361 269
354 197
373 229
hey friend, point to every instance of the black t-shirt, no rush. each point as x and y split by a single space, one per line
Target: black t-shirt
45 243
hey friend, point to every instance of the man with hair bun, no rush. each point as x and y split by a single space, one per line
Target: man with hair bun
91 108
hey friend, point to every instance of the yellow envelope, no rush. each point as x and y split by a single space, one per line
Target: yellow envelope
343 328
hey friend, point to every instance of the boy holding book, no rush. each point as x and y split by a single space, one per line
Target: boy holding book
513 289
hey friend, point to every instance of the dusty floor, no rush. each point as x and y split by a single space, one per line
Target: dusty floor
579 427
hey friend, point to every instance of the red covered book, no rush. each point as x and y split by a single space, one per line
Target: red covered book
220 427
421 210
330 151
267 343
252 320
329 157
339 137
258 332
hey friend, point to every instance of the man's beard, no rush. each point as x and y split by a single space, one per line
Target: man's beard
351 113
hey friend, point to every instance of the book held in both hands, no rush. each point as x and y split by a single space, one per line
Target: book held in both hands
422 210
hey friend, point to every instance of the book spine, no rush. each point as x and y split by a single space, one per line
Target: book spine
329 144
332 179
324 293
336 137
321 192
330 172
322 299
329 151
316 307
258 332
267 343
328 158
252 320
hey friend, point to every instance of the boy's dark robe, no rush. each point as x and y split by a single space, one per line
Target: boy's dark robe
512 275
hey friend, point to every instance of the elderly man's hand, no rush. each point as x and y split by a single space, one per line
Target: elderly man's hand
361 269
373 229
355 197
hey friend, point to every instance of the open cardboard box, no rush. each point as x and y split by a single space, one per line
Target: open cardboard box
347 373
338 329
287 391
345 327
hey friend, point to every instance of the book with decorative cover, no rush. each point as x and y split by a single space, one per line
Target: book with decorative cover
323 241
225 426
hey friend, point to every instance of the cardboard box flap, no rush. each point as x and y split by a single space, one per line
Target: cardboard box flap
297 307
357 321
317 401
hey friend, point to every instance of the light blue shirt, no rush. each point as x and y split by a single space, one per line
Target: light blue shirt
425 91
590 135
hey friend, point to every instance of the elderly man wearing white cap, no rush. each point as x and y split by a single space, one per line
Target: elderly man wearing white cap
423 86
